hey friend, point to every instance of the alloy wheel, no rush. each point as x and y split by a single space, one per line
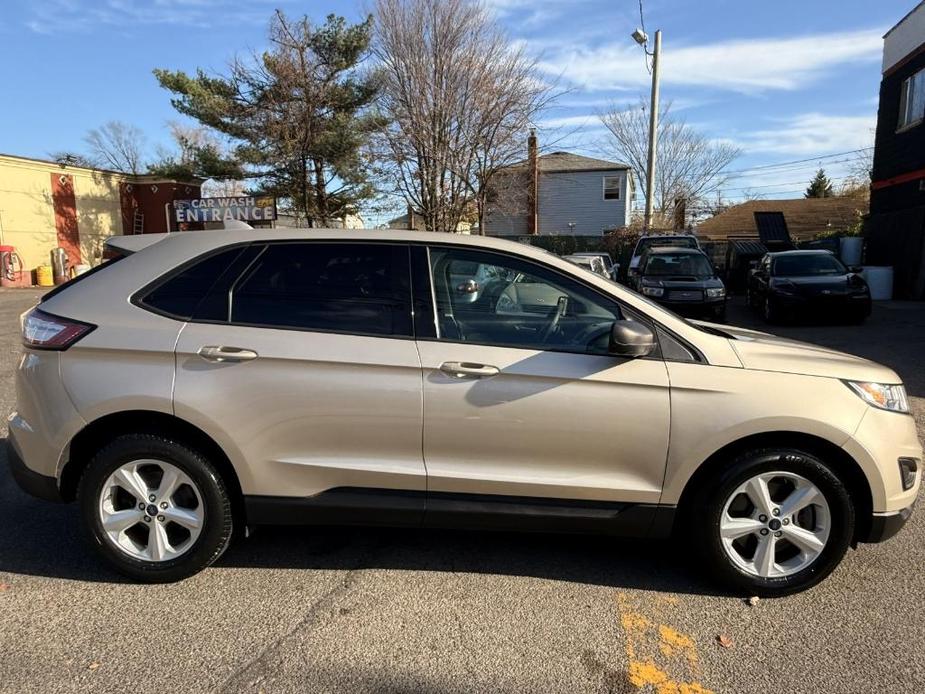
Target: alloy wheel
775 524
151 510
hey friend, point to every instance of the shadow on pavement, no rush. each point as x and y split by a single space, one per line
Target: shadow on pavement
39 538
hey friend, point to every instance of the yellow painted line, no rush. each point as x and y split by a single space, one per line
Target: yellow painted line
659 657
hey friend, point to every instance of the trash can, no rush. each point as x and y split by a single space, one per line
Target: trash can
880 280
59 265
850 248
44 276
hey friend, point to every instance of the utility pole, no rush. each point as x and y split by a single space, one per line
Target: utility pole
653 131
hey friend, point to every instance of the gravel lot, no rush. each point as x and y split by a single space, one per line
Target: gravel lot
415 611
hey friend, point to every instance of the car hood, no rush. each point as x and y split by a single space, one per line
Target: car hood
765 352
834 284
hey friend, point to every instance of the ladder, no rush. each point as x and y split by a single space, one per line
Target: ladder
138 224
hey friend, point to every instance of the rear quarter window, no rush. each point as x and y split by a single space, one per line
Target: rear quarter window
181 292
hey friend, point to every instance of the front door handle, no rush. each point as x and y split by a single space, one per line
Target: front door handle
466 369
221 353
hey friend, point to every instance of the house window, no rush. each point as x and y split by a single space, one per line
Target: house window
912 101
612 186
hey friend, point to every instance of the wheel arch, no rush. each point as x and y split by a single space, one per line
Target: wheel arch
100 431
843 465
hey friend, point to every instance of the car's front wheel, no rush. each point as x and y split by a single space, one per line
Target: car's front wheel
155 509
776 522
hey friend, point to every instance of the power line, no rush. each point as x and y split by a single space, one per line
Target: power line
793 169
799 161
837 179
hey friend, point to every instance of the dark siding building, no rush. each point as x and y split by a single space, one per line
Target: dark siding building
897 205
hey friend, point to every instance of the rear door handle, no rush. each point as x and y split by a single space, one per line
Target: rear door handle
222 353
466 369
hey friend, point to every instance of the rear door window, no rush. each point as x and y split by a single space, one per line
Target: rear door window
356 288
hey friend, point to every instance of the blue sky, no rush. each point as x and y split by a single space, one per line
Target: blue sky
784 80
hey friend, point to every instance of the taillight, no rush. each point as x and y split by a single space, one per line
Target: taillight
42 330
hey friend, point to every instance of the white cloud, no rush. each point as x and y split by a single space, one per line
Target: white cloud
740 65
810 134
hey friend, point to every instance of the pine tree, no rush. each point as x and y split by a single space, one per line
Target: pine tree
299 114
820 186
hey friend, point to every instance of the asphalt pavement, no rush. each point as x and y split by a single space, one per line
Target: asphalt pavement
376 610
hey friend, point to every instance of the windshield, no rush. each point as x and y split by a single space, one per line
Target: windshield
686 264
808 265
677 241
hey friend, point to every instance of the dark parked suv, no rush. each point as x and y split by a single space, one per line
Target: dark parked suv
683 279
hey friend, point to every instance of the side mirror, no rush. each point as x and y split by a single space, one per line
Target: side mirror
629 338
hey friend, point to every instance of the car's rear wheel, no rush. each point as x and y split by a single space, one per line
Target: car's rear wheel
155 509
777 522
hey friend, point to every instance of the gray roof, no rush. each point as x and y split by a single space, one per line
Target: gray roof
556 162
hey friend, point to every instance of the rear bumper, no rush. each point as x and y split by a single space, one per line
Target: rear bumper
28 480
884 525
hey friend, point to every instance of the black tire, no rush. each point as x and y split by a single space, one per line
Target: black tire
217 524
709 502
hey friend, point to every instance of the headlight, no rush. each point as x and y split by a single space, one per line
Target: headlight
653 291
716 292
882 396
784 287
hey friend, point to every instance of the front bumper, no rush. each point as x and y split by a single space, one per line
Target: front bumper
847 304
705 307
879 441
28 480
884 525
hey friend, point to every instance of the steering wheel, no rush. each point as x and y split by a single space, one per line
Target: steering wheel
561 308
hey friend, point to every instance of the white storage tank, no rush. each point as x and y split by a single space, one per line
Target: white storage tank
880 280
850 248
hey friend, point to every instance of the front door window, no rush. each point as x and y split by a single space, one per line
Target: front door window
492 299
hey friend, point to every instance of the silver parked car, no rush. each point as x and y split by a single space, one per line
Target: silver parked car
211 381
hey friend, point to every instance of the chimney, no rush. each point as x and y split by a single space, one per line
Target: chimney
532 183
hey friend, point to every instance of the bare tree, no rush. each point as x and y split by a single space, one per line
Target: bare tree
458 96
117 145
690 166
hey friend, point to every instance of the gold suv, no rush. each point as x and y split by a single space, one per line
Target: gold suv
205 382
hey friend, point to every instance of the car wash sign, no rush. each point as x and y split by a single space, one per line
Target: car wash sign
244 208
